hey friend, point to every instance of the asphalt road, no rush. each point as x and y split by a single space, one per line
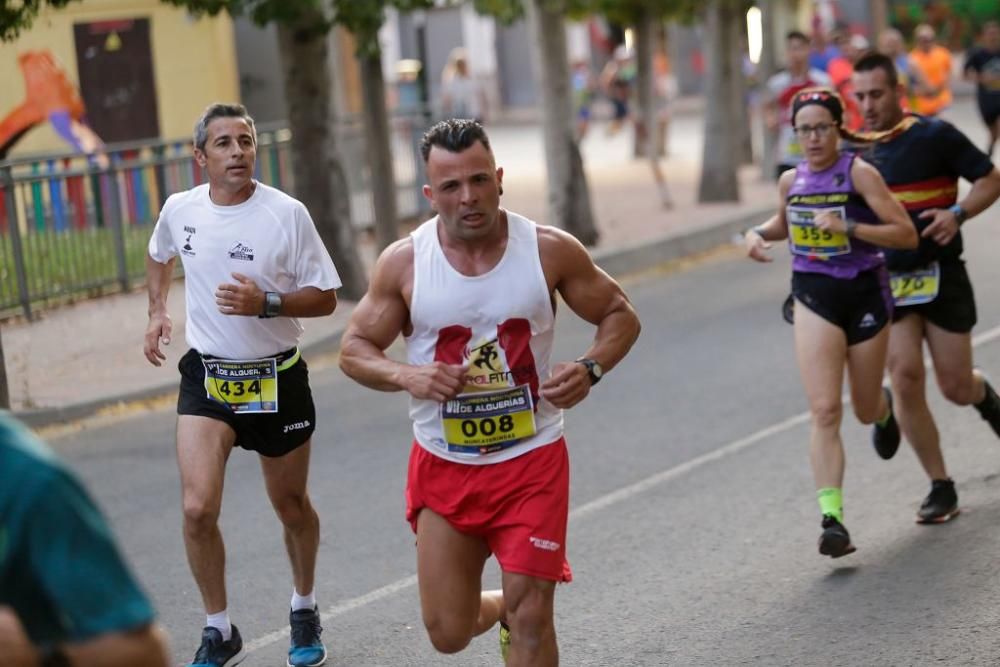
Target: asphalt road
693 528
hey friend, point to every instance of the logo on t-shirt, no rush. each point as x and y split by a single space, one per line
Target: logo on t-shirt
242 252
187 249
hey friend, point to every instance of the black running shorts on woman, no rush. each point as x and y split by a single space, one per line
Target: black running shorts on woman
861 306
269 434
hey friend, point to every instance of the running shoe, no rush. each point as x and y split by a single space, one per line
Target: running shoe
214 652
307 648
886 438
941 504
504 641
835 541
989 409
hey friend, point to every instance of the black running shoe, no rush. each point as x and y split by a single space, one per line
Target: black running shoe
941 504
835 541
886 438
214 652
989 409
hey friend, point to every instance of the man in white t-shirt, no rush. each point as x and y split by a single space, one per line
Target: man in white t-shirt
781 88
473 290
253 263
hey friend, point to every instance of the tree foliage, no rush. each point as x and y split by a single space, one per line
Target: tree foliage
18 15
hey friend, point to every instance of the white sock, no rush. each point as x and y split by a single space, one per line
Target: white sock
221 623
303 601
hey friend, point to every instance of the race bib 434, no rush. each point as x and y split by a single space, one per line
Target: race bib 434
243 386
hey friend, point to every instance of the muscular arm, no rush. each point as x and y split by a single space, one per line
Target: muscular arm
158 277
377 321
896 230
596 297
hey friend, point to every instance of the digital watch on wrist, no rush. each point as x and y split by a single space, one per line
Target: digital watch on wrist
960 213
272 304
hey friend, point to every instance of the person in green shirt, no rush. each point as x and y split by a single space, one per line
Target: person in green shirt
66 595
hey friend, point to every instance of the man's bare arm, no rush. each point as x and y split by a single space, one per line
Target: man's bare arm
596 297
158 277
377 321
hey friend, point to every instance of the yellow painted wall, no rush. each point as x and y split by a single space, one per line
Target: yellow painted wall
194 62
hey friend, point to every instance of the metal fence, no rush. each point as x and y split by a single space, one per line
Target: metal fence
72 227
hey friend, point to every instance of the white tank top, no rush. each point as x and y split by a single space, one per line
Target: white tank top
501 325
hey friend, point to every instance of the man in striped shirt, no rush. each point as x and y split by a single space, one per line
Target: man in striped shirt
921 160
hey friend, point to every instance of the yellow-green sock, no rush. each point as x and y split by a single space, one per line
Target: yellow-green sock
831 501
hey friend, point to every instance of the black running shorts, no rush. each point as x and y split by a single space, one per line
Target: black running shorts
954 309
269 434
861 306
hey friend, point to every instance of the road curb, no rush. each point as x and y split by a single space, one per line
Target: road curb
616 261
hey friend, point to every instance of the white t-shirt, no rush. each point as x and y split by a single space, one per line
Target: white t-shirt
269 238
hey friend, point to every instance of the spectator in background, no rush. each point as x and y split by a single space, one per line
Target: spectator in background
462 96
840 70
822 52
584 89
933 62
890 43
982 66
617 80
781 88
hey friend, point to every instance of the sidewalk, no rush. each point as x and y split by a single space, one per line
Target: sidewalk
87 357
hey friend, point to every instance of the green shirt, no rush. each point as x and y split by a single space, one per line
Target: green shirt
60 569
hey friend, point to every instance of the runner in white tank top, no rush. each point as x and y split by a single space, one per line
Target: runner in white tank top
473 291
505 343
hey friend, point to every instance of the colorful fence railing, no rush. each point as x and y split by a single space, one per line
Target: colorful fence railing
73 227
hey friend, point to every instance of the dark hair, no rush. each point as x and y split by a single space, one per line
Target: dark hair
220 110
454 135
872 61
796 34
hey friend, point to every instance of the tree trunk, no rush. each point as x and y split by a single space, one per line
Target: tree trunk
646 120
742 137
767 67
377 133
569 195
320 182
648 127
718 167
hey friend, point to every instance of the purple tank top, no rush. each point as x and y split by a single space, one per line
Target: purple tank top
816 251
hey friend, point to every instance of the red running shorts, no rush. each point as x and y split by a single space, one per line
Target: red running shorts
520 507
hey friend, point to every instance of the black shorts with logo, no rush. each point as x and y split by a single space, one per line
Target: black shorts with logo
861 306
954 308
269 434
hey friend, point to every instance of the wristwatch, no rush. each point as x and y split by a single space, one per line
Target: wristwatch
272 304
960 213
53 656
594 370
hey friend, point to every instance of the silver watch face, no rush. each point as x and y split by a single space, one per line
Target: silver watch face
596 369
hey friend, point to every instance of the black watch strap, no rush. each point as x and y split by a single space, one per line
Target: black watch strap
594 370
